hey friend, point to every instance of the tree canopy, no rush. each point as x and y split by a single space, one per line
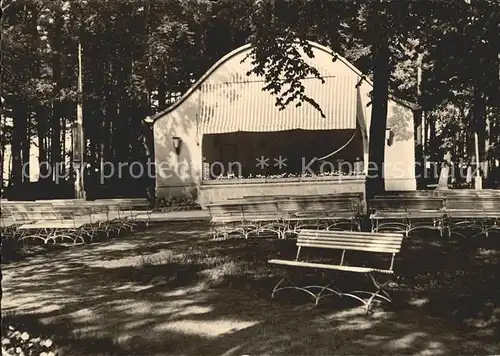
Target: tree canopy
140 55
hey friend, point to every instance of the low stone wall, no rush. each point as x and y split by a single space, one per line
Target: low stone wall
402 185
217 190
181 191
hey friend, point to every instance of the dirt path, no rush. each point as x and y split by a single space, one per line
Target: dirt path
136 296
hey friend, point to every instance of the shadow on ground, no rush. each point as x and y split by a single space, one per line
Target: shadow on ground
172 291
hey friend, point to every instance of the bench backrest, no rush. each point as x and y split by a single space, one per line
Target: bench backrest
71 212
304 197
268 208
77 208
125 203
134 204
112 210
99 208
351 240
284 206
321 206
402 203
22 206
22 214
225 208
387 243
478 204
468 192
410 194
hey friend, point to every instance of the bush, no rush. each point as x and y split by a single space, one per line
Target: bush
12 250
175 204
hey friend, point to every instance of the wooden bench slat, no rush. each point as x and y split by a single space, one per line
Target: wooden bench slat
349 238
338 239
227 219
349 244
329 266
353 234
262 217
386 241
387 214
373 248
52 224
472 214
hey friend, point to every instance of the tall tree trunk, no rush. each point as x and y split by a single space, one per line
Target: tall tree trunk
98 119
418 123
42 153
18 133
123 71
110 110
162 90
381 56
57 106
26 145
2 159
433 145
3 143
122 123
478 119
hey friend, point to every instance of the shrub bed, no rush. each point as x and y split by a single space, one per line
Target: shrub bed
19 342
175 204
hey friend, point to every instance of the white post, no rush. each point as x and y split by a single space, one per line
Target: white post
479 181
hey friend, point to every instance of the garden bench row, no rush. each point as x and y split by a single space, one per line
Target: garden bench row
451 212
77 221
283 215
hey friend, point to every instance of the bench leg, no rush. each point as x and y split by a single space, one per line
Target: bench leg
288 228
281 286
278 287
324 291
379 293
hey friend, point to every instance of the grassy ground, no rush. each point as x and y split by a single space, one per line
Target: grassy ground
172 291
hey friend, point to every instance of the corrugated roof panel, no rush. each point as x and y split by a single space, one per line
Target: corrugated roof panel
243 106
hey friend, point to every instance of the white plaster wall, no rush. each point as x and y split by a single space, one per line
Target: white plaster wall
400 156
177 174
399 170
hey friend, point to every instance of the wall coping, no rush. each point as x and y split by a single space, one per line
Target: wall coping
271 181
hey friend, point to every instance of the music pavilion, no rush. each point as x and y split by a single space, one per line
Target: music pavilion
225 138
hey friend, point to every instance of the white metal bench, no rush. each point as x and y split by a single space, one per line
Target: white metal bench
327 212
260 216
407 213
479 213
52 224
345 242
134 212
8 224
226 218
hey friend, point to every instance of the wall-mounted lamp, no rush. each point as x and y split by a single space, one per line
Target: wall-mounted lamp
177 144
389 135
